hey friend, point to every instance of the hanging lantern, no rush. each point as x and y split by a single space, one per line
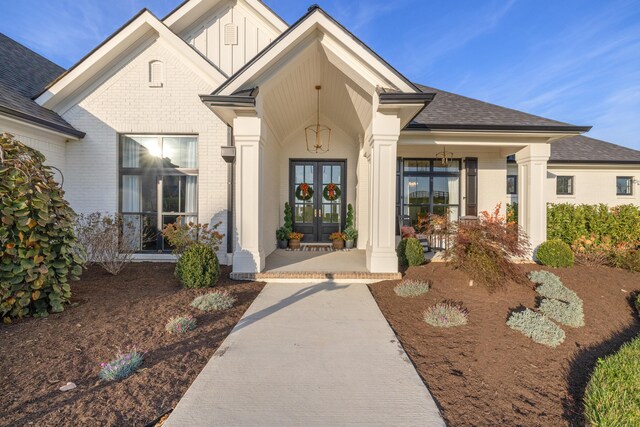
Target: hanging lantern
445 157
318 136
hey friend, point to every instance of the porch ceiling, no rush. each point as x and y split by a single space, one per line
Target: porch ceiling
288 100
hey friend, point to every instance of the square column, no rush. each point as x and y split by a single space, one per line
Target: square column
382 141
532 177
248 256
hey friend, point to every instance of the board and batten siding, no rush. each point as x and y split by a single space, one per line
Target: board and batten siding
230 36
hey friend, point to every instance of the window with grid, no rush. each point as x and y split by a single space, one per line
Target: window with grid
564 185
624 185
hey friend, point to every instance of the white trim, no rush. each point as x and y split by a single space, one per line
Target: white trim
106 56
43 128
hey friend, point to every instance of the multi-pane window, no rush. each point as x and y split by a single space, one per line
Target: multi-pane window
512 184
564 185
624 185
158 184
429 187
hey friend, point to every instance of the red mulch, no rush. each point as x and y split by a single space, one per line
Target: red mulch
37 356
485 374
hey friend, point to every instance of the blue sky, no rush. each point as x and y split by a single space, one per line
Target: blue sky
571 60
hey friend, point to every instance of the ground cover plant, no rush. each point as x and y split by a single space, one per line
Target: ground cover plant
123 365
181 324
411 288
485 249
214 301
485 374
39 255
446 315
109 312
612 397
537 327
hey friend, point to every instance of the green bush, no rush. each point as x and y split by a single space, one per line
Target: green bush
612 397
626 259
567 313
39 253
569 222
401 250
411 288
198 267
214 301
537 327
446 315
181 324
349 220
414 252
555 253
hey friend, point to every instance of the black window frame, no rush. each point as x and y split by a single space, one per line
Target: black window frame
515 185
157 172
629 186
430 173
571 187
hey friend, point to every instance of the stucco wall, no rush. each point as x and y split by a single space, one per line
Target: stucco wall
124 104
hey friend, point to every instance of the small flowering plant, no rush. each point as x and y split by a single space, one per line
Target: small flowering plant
295 235
181 324
125 364
337 236
446 315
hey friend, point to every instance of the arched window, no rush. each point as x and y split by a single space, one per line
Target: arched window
156 74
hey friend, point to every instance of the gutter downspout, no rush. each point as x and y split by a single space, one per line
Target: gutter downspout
231 168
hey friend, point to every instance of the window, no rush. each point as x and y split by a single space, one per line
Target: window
158 184
428 187
564 185
624 185
512 184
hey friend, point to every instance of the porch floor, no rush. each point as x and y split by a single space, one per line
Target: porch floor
283 264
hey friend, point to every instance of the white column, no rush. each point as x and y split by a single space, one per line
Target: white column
532 177
383 142
248 256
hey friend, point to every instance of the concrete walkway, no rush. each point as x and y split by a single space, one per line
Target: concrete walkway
309 355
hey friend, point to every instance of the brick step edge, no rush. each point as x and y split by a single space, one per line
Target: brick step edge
316 275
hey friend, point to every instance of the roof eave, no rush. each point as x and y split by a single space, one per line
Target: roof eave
69 131
505 128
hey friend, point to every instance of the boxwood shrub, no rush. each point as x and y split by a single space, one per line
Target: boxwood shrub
612 397
555 253
198 267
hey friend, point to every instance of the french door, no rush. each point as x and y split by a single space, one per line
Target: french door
317 194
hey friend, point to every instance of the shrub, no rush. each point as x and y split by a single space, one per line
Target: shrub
214 301
446 315
181 324
555 253
612 396
567 313
550 286
350 233
628 259
512 213
401 251
414 252
39 253
638 303
198 267
537 327
349 220
288 217
569 222
591 252
182 235
122 366
485 249
282 233
411 288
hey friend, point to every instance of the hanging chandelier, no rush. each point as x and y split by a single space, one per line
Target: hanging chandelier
318 136
445 156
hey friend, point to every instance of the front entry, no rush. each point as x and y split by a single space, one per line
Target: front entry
317 194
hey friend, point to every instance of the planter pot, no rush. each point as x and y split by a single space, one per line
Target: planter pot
338 244
294 244
282 244
349 244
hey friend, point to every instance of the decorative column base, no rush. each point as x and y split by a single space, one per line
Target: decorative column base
246 261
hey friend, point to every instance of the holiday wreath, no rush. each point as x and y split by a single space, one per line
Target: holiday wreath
331 192
304 192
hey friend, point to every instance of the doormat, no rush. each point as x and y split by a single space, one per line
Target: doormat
315 248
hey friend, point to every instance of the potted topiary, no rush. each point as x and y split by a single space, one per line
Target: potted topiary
294 240
282 234
350 235
338 240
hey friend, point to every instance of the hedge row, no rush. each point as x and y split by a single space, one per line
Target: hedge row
568 222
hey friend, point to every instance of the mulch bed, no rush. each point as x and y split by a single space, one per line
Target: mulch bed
485 374
37 356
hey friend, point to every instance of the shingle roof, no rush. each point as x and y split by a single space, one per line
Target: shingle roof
451 111
23 74
589 150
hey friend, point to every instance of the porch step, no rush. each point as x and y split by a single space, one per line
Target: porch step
356 275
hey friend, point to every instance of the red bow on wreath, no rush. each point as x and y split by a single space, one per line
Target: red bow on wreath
304 190
331 188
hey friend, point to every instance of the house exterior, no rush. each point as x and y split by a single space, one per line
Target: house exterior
203 115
